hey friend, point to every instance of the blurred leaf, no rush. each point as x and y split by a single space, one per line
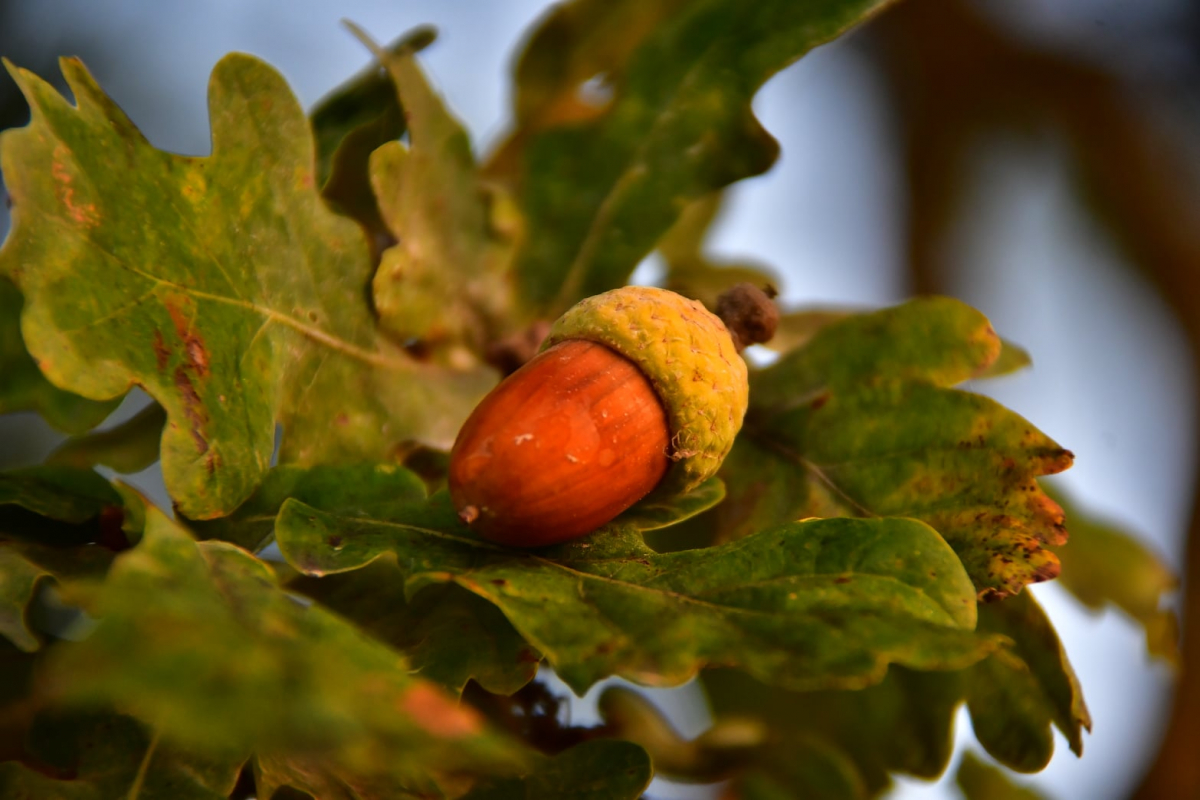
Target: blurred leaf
366 102
608 605
446 279
1015 696
1103 565
1012 358
980 781
449 635
65 494
812 770
691 273
602 769
358 490
599 193
224 660
797 328
24 388
129 447
51 519
859 422
100 756
904 724
237 301
23 565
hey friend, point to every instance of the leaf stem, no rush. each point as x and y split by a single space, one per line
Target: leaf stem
136 788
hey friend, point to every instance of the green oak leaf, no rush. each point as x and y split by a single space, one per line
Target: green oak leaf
25 388
446 277
199 641
371 490
448 635
860 422
129 447
1014 696
608 605
100 756
599 188
980 781
1103 565
236 299
904 724
602 769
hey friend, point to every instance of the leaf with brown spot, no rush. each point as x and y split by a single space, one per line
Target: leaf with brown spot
861 421
237 301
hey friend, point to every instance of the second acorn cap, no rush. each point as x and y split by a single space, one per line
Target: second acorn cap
688 356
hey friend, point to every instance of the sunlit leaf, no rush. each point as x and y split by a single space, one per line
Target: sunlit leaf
860 422
1015 695
1104 565
25 388
100 756
608 605
446 278
224 660
599 193
236 299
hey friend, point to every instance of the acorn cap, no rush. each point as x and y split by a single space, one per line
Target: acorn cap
688 356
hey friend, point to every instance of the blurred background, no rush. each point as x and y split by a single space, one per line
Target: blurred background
1039 159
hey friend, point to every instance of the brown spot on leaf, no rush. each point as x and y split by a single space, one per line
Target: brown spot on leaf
842 579
111 535
527 656
334 541
437 714
194 351
162 355
84 214
193 407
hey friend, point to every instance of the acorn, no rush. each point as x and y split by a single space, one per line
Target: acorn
634 391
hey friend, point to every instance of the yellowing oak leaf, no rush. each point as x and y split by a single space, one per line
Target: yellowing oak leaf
446 278
222 285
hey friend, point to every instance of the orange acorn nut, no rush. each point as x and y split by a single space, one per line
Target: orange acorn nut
636 390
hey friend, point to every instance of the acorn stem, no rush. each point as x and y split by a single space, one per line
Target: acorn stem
749 313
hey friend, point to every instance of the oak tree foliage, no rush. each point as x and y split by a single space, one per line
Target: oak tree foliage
317 620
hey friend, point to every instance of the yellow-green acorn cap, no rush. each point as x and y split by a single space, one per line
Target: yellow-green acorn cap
688 356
